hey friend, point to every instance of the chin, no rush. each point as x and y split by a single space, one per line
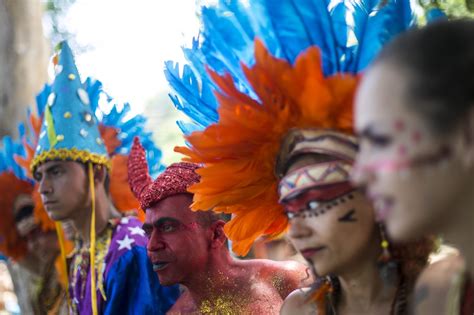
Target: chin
322 269
166 281
402 231
56 215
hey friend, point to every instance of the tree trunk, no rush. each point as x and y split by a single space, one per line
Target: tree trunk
23 71
23 60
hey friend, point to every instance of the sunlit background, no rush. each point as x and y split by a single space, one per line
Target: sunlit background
124 44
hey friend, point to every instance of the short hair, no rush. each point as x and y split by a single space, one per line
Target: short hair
439 59
207 218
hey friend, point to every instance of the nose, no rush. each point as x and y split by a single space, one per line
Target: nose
45 187
155 243
299 229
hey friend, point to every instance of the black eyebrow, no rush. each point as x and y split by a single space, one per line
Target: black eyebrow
53 168
367 132
159 222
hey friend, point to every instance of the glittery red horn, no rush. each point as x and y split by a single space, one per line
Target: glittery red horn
138 177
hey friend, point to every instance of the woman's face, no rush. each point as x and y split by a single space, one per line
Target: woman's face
415 178
333 228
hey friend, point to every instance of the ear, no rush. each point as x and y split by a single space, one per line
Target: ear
218 236
100 173
466 145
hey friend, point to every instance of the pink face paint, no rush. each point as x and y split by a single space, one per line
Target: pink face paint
416 136
402 150
396 165
399 125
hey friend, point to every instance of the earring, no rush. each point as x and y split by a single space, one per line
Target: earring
387 265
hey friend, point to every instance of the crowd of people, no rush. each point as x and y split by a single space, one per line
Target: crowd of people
339 126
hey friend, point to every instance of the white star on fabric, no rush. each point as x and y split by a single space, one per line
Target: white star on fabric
125 243
124 220
136 230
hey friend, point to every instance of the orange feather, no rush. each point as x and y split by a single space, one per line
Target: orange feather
239 152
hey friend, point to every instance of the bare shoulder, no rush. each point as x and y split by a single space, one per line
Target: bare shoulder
440 273
296 303
289 269
434 283
285 276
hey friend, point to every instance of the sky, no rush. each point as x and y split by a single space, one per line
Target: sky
128 42
124 44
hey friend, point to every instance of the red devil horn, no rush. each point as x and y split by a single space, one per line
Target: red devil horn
138 177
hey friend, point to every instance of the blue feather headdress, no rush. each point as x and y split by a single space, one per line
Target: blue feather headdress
348 33
109 113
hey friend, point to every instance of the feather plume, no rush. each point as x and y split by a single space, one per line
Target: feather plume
289 96
348 33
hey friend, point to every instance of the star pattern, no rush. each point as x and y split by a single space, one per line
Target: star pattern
124 220
125 243
136 230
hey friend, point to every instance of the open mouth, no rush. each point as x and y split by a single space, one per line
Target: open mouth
157 266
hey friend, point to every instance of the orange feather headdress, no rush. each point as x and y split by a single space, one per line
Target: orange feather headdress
239 152
11 244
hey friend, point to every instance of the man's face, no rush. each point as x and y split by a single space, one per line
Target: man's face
42 244
64 188
178 246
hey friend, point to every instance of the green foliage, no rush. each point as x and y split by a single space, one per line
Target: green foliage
453 8
55 13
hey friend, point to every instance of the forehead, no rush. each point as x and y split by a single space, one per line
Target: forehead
380 97
66 164
176 206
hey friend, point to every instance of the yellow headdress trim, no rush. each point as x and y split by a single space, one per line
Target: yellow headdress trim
69 155
239 152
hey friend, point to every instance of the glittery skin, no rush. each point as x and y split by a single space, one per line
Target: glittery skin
174 180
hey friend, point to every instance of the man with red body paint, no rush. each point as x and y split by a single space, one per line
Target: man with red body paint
189 248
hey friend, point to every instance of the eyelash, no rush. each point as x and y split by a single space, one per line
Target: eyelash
379 140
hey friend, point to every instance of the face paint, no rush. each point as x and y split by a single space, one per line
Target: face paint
414 190
400 165
348 217
319 176
316 202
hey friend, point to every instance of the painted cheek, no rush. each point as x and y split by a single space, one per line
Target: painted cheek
402 150
399 125
416 137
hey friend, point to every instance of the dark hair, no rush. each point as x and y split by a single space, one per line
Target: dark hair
206 218
107 176
439 59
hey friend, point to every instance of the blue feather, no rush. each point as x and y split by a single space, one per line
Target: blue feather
349 34
375 25
197 103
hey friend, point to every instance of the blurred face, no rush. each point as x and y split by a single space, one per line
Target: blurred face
331 223
41 244
178 246
416 179
64 189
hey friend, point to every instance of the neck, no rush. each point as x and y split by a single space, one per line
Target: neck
104 211
460 233
362 288
215 280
